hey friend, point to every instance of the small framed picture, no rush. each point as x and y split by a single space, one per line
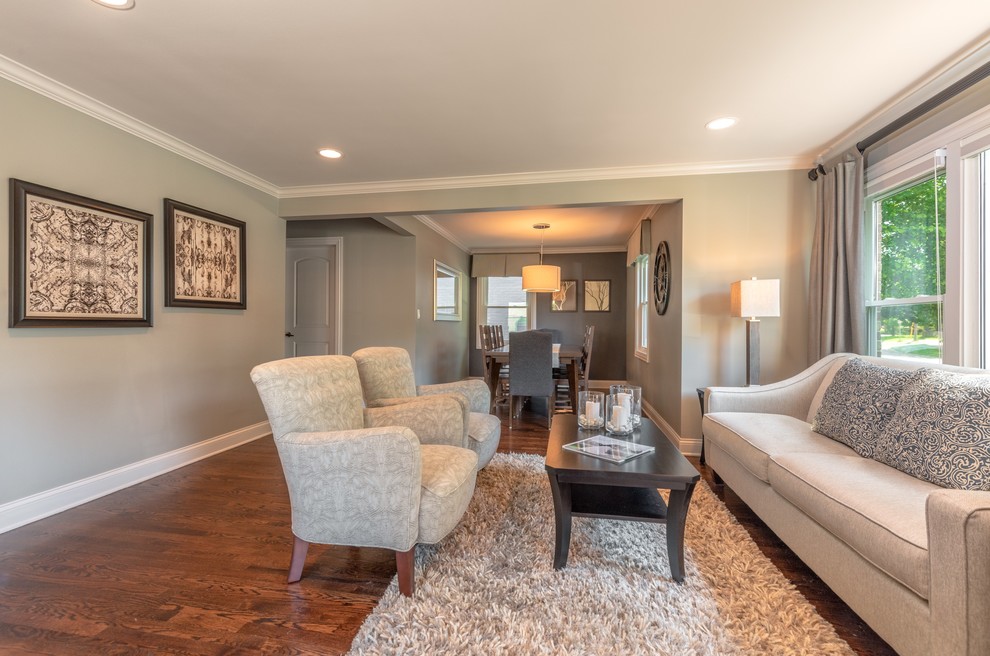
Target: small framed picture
596 296
205 258
76 261
566 299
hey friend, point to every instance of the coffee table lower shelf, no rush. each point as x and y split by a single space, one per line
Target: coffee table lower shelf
634 504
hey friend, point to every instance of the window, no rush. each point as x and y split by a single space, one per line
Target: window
928 244
642 307
502 301
906 293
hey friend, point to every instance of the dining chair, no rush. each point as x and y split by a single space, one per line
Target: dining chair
499 338
585 371
385 477
531 369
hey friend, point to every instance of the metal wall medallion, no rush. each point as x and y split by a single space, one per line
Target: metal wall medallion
661 278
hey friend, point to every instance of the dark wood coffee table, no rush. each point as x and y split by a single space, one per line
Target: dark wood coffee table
585 486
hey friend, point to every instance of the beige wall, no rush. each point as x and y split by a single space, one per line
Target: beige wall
734 226
388 277
77 402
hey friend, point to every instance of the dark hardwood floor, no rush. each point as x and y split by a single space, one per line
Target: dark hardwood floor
195 562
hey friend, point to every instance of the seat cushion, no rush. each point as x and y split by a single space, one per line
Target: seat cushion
753 437
447 486
875 509
484 431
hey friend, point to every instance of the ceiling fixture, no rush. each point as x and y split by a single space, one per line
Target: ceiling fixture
541 277
116 4
330 153
721 123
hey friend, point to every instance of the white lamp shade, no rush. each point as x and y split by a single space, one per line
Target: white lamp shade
541 278
755 298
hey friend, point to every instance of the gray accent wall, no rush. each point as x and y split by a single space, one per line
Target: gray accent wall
77 402
608 359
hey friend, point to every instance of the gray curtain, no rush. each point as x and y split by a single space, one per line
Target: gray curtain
837 314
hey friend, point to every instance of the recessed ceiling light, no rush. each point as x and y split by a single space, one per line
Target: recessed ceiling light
330 153
116 4
722 123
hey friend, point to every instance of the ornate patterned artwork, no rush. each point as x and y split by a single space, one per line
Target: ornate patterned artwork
77 260
204 260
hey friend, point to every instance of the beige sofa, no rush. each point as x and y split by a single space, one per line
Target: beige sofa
910 557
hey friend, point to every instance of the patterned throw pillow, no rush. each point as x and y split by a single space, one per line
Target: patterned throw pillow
941 430
859 403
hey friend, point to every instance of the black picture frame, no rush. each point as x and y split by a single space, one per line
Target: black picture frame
205 258
565 300
597 295
77 261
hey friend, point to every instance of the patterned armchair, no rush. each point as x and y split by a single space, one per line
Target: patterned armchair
386 477
387 378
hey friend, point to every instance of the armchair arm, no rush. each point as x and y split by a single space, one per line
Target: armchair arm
355 487
959 552
440 419
792 396
476 390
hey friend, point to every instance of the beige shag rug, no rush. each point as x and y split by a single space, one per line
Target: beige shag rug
490 588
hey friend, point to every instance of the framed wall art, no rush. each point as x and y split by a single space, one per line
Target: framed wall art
566 299
205 258
596 296
76 261
446 292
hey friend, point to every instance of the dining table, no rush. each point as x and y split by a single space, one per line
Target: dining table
568 355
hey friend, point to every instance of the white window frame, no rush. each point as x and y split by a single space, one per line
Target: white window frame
642 307
481 314
966 299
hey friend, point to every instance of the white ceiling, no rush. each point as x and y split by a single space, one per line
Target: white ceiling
441 89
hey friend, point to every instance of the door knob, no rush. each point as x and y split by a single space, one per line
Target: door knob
289 335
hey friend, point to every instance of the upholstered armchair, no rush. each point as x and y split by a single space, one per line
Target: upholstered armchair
387 477
387 378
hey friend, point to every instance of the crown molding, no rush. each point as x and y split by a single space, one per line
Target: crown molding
547 177
443 232
46 86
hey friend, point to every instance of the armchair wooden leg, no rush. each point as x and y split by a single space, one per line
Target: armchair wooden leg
405 564
299 549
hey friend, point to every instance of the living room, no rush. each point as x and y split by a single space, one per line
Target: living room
93 410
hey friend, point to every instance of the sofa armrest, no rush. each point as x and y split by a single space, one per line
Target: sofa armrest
959 553
439 419
322 470
792 396
476 390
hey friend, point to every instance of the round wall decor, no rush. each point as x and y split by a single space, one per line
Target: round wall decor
661 278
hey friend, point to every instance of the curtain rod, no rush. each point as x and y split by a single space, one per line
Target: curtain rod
935 101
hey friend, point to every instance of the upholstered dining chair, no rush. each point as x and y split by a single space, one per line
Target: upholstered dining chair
366 477
531 369
387 378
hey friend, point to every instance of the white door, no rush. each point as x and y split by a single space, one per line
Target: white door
311 297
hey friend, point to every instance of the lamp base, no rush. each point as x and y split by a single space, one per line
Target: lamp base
752 352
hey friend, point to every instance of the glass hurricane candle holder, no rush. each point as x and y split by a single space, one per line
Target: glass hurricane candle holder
635 398
618 418
591 406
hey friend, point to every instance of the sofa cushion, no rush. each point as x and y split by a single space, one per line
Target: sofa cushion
876 510
941 430
753 437
858 404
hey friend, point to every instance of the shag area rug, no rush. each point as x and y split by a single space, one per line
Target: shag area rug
490 588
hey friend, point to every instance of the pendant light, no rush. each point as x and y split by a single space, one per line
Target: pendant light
541 277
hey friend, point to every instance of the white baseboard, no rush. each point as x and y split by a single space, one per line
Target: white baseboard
47 503
687 446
